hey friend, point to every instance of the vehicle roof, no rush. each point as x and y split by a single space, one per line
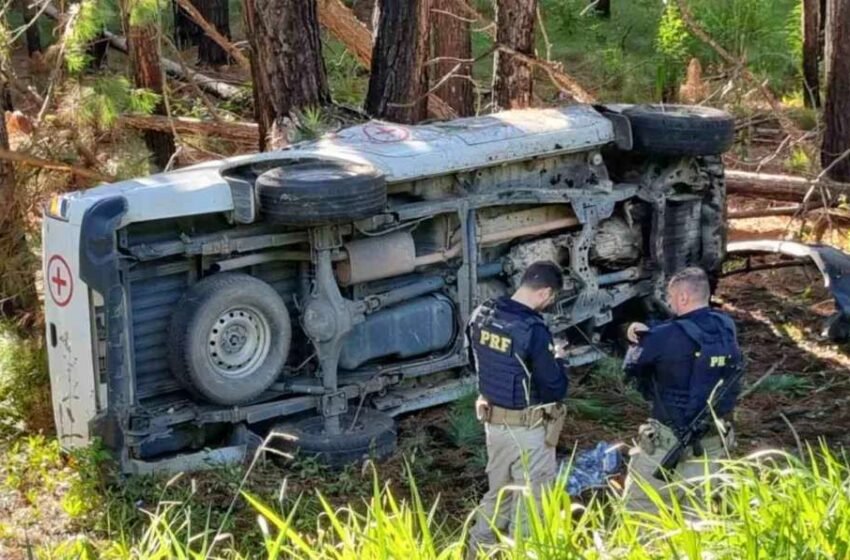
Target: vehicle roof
401 152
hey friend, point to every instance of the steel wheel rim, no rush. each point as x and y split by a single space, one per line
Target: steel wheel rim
238 342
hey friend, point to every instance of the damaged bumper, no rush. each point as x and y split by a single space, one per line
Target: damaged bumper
833 264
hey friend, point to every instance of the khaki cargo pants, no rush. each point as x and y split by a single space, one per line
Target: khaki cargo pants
654 441
517 457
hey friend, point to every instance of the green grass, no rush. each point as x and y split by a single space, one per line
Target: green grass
24 384
768 505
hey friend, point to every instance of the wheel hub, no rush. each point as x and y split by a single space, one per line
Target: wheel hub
239 342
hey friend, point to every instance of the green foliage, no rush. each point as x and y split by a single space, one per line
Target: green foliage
464 428
89 19
791 385
24 383
104 99
146 12
799 161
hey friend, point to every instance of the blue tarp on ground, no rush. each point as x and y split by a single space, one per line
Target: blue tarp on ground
591 468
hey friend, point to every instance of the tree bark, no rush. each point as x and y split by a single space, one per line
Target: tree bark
398 84
343 24
216 12
286 64
147 73
17 290
512 78
217 33
32 35
811 52
836 114
365 12
187 33
779 187
453 42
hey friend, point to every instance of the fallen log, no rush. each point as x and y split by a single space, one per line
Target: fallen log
778 187
341 22
764 212
33 161
244 132
210 85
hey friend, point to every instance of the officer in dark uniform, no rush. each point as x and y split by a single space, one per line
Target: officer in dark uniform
522 380
677 364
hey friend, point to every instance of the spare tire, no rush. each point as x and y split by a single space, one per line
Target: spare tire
321 192
373 435
680 130
229 338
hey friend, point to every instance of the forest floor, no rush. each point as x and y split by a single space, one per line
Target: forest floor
780 314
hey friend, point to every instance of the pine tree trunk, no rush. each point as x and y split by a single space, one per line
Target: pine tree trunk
836 114
811 54
147 73
365 12
603 8
452 40
32 35
286 64
17 289
186 32
512 79
217 12
398 83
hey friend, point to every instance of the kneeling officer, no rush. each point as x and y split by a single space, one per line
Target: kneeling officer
521 380
677 364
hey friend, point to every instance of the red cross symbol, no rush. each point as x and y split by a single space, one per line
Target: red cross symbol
60 281
385 134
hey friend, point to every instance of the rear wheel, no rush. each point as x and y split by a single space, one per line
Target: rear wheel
229 338
680 130
321 192
371 434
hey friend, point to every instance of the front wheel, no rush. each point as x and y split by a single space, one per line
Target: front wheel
680 130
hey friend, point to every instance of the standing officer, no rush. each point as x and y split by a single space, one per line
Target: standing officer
521 380
677 365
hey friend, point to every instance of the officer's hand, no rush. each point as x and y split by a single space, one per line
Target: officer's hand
561 348
634 332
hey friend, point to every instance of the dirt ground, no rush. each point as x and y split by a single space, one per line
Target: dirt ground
779 313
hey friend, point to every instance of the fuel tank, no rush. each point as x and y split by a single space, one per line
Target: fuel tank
407 330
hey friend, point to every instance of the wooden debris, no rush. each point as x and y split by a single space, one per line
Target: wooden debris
213 34
244 132
778 187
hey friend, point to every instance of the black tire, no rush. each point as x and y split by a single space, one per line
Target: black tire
680 130
373 436
229 338
321 192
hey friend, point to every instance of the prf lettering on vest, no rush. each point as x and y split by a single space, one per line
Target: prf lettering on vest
717 361
495 342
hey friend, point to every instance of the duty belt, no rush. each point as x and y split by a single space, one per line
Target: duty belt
526 417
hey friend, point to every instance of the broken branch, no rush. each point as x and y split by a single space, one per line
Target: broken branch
33 161
213 34
235 131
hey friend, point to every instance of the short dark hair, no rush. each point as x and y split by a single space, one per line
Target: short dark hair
694 280
543 274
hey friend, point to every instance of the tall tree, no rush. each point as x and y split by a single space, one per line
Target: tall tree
32 35
836 114
811 52
217 12
452 39
286 63
141 31
186 32
398 84
513 78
